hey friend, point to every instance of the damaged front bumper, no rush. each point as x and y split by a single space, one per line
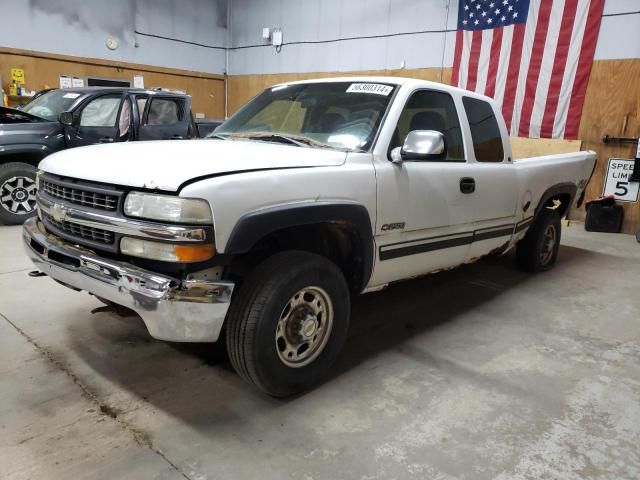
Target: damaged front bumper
172 309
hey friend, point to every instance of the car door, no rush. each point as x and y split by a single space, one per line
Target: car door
424 218
98 121
494 178
165 118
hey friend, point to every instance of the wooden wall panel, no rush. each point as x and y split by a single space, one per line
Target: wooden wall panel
207 90
243 87
536 147
612 106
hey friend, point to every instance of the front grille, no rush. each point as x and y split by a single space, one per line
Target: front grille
80 196
80 231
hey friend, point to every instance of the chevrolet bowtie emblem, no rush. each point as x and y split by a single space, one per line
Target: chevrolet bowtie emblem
59 212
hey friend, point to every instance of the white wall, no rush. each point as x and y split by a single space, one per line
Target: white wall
322 20
619 34
80 28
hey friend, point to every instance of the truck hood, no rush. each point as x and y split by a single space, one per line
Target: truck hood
167 164
13 115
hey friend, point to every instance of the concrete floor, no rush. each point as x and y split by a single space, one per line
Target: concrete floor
482 372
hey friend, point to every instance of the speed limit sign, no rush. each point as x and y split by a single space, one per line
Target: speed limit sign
617 180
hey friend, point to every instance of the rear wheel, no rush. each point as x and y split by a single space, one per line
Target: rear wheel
538 250
288 322
17 192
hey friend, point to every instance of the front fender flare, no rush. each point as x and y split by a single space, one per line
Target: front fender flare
254 226
24 148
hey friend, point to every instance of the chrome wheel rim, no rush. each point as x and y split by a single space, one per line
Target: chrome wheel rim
548 245
18 195
304 327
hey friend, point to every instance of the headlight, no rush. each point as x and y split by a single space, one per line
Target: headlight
168 208
166 252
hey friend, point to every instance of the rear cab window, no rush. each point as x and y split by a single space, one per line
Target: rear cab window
485 132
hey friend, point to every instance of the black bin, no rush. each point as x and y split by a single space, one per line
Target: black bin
604 215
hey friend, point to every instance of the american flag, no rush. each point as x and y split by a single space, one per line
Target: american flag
532 56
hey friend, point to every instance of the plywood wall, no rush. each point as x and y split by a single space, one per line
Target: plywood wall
207 90
612 105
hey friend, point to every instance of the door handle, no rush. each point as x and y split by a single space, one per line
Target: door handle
467 185
106 140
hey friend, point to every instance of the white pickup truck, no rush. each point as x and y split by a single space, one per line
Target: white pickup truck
314 191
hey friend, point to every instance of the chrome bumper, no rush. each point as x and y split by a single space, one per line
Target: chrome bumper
174 310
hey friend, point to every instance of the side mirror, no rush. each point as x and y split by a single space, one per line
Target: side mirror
420 145
66 118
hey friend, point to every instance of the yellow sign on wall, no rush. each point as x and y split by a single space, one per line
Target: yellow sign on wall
17 75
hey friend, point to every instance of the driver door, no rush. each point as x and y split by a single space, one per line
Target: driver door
103 119
424 220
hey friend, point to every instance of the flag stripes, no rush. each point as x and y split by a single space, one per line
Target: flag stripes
532 56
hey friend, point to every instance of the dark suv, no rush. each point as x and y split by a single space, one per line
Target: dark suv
60 119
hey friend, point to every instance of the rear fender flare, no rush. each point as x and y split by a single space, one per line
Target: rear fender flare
566 188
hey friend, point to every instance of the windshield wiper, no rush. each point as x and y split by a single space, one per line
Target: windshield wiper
277 137
218 136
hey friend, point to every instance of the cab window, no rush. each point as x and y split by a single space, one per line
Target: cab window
485 133
430 110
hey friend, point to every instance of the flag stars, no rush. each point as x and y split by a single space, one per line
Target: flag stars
484 14
503 18
476 22
464 22
510 8
505 2
471 15
490 21
477 6
515 14
497 11
466 7
491 5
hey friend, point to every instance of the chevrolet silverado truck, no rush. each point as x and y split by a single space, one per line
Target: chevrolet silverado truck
311 193
59 119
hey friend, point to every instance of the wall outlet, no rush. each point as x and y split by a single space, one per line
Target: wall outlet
266 34
276 39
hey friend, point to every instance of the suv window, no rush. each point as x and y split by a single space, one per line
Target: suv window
101 112
429 110
485 133
164 111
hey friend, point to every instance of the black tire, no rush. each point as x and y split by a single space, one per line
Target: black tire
17 192
255 322
537 251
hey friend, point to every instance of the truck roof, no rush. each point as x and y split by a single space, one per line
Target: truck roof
400 81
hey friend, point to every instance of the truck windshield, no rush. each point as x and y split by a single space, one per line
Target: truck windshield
51 104
342 115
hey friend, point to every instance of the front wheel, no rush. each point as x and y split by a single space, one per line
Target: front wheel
288 322
538 250
17 192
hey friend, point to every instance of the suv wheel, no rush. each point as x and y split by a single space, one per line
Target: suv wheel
17 192
288 322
